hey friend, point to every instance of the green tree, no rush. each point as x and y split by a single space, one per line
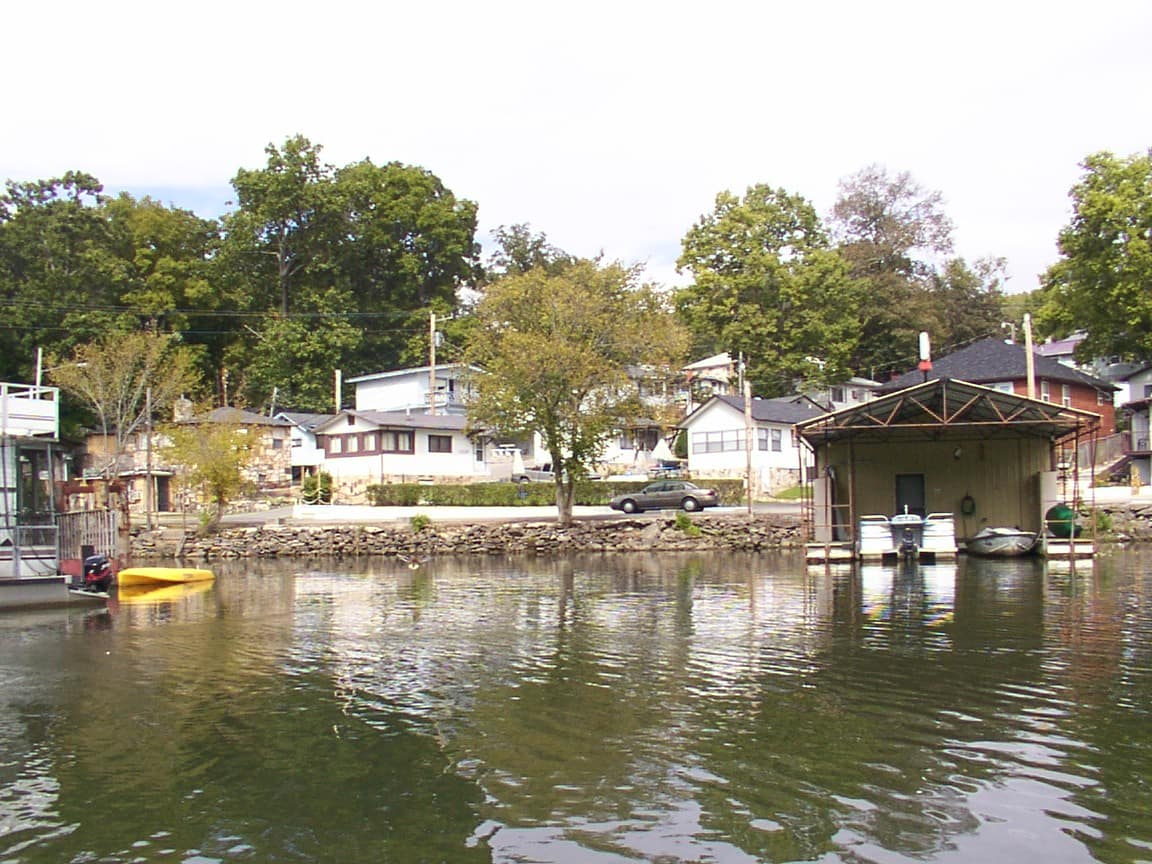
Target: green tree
892 231
347 255
969 301
121 377
519 250
1102 283
161 257
767 285
213 456
56 285
555 348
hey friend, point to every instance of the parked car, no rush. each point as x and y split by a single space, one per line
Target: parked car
666 494
542 474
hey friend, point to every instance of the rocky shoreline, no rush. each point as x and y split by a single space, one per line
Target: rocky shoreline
660 534
664 533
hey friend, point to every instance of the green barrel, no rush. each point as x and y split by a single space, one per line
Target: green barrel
1061 521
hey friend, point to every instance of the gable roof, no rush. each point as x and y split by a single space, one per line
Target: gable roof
305 421
416 370
944 407
398 420
239 417
992 360
786 411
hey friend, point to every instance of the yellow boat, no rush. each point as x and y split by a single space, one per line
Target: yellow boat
156 592
162 576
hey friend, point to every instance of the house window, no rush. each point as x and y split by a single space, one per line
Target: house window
837 394
277 443
1066 395
624 442
1003 386
353 443
478 455
718 442
769 439
335 445
370 441
1147 391
1103 398
1045 392
439 443
397 442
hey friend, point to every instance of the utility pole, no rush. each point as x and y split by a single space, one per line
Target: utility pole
1029 359
432 363
149 481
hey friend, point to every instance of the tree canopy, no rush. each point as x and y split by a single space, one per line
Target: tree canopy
897 241
555 348
768 286
316 268
1102 283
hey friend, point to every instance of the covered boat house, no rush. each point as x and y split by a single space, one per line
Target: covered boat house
956 456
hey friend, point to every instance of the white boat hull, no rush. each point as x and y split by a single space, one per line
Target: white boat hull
1002 543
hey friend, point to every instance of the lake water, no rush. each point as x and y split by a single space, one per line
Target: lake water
705 708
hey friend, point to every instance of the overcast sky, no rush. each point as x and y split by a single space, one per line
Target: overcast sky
609 126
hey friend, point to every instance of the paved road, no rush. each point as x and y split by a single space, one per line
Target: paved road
348 514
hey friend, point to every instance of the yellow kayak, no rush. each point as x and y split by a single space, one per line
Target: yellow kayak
162 576
156 592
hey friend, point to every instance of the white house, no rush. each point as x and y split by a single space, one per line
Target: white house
306 455
853 392
409 389
717 433
366 447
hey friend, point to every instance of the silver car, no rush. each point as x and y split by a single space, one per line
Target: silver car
666 495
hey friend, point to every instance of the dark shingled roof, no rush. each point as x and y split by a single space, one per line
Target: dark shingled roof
788 409
992 360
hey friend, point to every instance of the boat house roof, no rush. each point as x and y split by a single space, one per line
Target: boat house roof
947 408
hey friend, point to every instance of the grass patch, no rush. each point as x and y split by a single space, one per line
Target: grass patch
792 494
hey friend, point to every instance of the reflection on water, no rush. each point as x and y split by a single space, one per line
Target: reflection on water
723 708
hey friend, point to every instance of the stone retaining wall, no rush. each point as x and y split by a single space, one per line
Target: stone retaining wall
729 533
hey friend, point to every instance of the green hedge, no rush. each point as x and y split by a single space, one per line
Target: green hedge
588 493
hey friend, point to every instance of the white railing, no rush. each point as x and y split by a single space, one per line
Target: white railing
27 410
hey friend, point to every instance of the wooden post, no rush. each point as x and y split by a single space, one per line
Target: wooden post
748 440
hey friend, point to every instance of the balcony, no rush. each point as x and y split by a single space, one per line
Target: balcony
28 411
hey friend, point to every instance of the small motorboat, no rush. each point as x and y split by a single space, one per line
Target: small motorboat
162 576
1002 542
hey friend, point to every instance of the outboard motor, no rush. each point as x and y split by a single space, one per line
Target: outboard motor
97 573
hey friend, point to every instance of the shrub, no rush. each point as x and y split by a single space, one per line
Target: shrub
685 524
419 522
317 488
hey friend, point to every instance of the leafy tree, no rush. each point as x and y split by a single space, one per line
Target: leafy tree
162 259
120 376
518 250
1102 283
767 285
555 347
56 285
891 231
345 255
278 238
408 245
214 456
969 301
